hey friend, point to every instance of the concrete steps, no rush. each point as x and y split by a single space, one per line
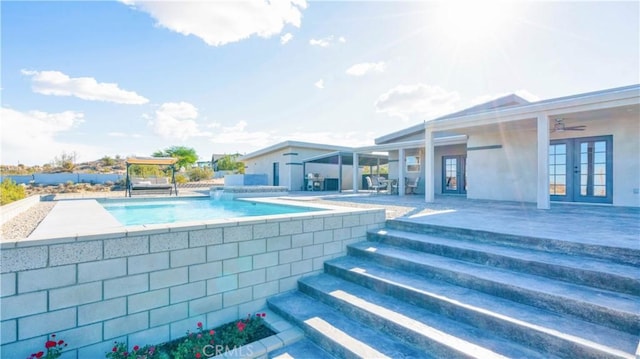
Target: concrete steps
437 292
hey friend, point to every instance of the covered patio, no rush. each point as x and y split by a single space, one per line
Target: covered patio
345 158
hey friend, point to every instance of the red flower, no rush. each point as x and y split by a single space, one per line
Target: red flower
264 315
199 324
241 326
135 347
212 332
198 355
115 349
60 342
151 350
49 344
39 354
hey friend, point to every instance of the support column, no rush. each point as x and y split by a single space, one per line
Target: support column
355 172
339 173
401 169
429 183
543 197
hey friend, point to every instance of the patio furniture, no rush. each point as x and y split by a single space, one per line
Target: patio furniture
377 186
153 184
315 182
410 186
394 186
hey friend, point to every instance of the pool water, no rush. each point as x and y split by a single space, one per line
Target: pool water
135 212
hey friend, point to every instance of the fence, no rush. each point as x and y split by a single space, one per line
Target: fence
62 178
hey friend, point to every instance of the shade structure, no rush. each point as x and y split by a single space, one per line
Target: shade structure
346 158
158 161
151 160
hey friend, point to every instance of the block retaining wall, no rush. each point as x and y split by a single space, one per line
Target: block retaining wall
148 286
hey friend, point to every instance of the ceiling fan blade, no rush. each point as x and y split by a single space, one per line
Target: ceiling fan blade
575 128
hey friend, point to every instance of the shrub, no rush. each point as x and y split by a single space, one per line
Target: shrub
180 178
120 351
196 174
202 343
10 191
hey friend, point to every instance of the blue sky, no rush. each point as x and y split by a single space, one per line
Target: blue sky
99 78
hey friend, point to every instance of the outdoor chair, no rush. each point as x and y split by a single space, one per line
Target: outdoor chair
373 186
410 186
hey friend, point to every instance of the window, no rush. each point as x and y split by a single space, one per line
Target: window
413 164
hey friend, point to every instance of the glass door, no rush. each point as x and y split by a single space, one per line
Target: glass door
581 169
454 179
276 173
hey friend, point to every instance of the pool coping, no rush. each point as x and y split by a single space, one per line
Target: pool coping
85 219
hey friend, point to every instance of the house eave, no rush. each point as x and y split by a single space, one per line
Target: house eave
623 96
290 144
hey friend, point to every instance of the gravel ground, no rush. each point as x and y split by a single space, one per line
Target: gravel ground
23 224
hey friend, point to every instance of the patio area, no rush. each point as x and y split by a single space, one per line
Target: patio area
593 224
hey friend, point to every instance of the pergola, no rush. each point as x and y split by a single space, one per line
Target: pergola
345 158
158 161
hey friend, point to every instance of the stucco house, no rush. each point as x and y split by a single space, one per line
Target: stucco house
579 148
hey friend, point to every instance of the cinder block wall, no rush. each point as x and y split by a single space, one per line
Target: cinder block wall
150 286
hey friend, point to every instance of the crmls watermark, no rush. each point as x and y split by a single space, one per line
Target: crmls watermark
238 352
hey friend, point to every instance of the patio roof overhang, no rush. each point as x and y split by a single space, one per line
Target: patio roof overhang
346 158
151 160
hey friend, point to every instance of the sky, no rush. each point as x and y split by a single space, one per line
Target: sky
129 78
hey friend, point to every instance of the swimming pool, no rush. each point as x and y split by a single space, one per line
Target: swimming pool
136 212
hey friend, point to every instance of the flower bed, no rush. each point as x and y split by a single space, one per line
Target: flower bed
203 343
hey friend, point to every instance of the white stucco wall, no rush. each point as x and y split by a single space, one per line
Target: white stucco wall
508 173
626 154
291 169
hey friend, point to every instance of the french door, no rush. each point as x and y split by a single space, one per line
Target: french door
581 169
454 179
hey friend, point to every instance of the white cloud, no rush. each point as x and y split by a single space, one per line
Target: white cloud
365 67
326 41
319 84
122 134
286 38
422 100
218 23
57 83
30 137
248 141
176 121
239 135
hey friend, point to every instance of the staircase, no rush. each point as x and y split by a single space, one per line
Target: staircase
424 291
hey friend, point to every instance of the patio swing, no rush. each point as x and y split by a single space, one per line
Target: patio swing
151 185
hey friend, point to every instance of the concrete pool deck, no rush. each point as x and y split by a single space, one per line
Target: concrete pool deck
68 218
617 226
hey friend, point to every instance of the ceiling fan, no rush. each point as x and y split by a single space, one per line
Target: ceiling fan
559 126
